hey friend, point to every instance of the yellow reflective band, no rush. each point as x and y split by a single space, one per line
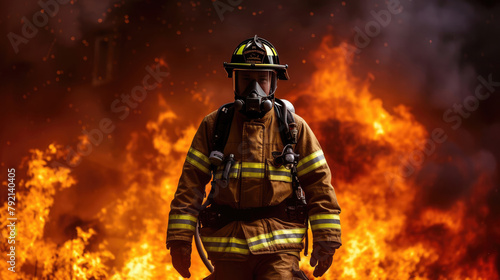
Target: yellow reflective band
199 160
327 223
182 217
253 165
198 165
224 240
233 172
240 50
282 168
325 226
235 169
275 242
262 236
324 216
200 155
274 238
226 244
280 178
227 250
268 50
252 175
274 51
276 232
181 226
310 157
311 167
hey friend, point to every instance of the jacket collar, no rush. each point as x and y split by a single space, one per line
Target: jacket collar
266 119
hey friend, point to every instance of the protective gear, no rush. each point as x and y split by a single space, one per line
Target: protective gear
322 255
286 158
242 78
251 182
224 117
254 182
256 103
217 216
255 54
258 54
180 251
269 266
288 105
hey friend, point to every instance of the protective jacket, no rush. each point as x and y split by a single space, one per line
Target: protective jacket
254 182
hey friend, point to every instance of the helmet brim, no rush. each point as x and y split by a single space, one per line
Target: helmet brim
280 69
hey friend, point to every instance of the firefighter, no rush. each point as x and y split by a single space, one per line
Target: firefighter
261 162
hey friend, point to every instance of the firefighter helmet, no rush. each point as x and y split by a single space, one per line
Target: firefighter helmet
256 54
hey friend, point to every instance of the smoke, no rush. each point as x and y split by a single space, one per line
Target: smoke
427 40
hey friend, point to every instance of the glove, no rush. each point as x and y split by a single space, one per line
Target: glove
322 255
180 251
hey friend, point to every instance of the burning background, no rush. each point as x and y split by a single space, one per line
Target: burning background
402 95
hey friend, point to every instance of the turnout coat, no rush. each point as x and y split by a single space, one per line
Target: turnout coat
254 182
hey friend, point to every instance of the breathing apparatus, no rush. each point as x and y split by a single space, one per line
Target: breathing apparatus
254 102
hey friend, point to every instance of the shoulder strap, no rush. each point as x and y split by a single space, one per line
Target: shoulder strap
222 126
287 125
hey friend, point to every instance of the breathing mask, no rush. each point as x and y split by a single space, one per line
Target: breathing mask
251 98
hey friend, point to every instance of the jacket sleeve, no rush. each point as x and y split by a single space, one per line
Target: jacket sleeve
315 178
188 198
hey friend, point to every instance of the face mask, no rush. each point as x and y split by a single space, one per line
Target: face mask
254 102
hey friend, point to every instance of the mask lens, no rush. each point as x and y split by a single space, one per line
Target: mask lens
243 77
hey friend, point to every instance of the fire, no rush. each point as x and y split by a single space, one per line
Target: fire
367 145
39 257
364 143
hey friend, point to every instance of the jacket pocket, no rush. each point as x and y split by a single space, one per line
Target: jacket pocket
279 184
227 192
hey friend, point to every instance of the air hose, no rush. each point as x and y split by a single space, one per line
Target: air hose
199 245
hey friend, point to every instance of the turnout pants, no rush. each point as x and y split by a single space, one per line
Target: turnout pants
278 266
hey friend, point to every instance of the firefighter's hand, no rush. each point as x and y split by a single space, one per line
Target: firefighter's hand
181 256
322 256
